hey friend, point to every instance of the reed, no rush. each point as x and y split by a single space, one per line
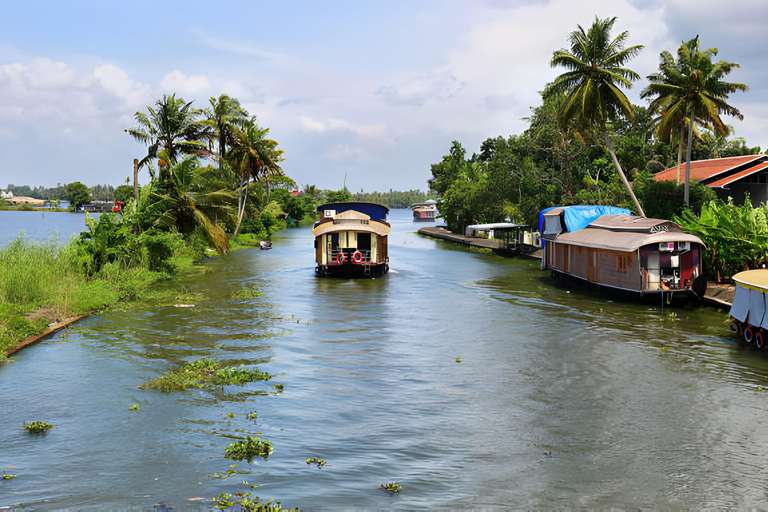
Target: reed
37 273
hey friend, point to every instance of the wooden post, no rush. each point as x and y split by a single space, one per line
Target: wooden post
136 180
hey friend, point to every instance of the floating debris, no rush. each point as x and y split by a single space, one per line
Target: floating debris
6 476
183 305
37 427
391 487
458 359
134 407
205 373
316 460
248 449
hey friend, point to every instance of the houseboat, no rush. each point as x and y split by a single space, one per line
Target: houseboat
748 317
351 240
425 212
616 250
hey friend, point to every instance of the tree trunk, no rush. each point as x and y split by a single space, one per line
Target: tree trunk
688 157
621 173
680 148
241 206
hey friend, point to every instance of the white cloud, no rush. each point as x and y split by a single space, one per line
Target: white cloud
184 85
117 82
437 85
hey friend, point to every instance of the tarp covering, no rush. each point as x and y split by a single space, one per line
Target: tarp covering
580 216
749 306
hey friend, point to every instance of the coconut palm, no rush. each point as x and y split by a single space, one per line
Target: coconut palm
592 83
692 87
252 156
172 127
180 203
221 119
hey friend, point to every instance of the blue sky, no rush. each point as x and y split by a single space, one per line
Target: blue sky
368 91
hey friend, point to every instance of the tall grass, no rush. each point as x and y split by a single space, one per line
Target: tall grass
38 273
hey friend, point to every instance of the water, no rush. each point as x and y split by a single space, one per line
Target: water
40 225
561 399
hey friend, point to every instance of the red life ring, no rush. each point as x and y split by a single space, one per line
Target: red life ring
357 257
759 339
341 258
749 334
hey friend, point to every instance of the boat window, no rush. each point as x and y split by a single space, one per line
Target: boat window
621 263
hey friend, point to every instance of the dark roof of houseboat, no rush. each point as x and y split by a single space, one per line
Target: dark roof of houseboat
626 234
323 206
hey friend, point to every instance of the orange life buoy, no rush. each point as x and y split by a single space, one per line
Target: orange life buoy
357 257
749 334
341 258
759 339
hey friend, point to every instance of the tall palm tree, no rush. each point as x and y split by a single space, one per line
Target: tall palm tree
222 118
172 127
252 156
592 83
693 88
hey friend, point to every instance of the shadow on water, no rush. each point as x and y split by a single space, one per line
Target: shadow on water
559 399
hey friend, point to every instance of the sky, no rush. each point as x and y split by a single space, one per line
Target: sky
364 94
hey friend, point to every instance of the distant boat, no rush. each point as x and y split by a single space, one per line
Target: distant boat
601 245
351 240
425 212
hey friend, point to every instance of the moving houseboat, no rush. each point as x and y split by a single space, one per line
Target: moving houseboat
749 307
425 212
617 250
351 240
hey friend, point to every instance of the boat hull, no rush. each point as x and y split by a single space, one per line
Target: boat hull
350 270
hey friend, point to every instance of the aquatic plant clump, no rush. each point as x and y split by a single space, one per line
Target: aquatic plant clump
391 487
37 427
205 373
248 449
227 501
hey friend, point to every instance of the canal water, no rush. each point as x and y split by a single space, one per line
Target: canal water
41 225
473 381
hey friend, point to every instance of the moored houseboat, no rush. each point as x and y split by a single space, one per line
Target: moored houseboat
351 240
748 317
425 212
624 252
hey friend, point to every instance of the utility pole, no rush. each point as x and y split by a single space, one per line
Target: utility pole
136 180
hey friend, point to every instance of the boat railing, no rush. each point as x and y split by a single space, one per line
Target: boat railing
349 255
351 221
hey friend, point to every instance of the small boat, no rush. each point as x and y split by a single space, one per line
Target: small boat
265 246
748 317
351 240
609 247
425 212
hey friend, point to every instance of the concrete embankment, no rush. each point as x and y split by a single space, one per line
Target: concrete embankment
50 330
718 295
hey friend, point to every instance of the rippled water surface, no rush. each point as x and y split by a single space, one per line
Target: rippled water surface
561 399
40 225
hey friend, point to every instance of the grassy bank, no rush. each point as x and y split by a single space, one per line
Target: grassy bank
42 283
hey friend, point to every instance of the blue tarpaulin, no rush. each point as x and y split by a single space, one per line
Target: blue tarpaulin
581 215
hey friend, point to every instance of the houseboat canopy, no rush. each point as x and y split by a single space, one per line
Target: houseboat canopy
352 220
375 211
576 217
749 297
626 234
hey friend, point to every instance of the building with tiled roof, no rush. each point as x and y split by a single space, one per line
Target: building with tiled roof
730 177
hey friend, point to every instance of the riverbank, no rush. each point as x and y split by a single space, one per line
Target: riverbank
717 294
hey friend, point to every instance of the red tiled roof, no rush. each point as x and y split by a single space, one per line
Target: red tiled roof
734 177
703 169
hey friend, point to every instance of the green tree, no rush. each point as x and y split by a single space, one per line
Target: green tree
124 193
696 86
224 116
253 156
172 127
592 83
77 194
338 196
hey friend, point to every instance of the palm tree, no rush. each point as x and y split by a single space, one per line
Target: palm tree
171 127
222 118
692 87
592 83
252 156
182 204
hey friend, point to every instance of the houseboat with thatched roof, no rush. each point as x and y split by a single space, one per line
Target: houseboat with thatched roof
425 212
620 251
748 317
351 240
